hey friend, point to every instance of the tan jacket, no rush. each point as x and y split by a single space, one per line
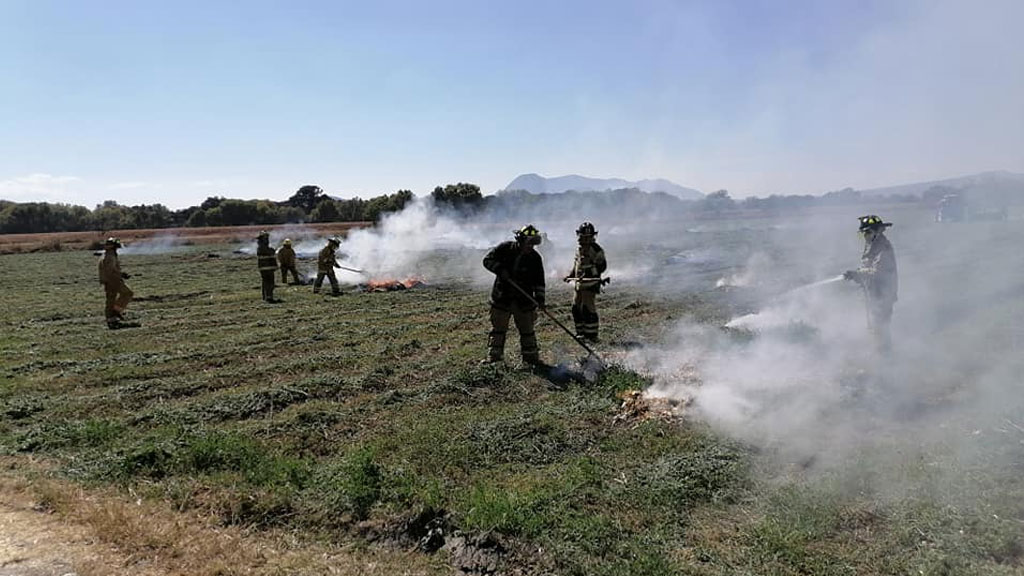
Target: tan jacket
110 268
326 261
286 256
590 263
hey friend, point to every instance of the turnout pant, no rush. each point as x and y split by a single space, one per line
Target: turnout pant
320 280
879 322
267 278
584 313
525 319
284 274
118 297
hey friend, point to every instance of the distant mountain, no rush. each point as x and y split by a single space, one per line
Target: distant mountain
537 184
999 184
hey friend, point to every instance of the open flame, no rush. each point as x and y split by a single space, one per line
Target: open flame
390 284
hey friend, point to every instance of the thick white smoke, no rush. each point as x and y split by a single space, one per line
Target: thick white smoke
163 243
798 374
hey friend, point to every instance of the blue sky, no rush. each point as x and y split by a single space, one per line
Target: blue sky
171 102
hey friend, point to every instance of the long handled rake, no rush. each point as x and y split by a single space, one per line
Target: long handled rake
559 323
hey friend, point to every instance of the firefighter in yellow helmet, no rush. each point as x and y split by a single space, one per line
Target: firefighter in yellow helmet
325 263
286 258
878 277
266 260
586 272
516 262
112 278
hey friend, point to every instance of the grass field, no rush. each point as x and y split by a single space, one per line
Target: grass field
365 423
166 237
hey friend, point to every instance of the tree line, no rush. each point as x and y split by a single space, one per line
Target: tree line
311 204
308 204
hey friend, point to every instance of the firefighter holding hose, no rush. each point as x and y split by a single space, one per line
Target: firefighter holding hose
586 272
877 275
516 263
326 261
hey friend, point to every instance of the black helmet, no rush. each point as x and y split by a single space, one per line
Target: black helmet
112 242
586 229
334 240
263 236
872 222
528 234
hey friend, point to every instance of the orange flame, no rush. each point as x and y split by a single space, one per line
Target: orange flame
388 285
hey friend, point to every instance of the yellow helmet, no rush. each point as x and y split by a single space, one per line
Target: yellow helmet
287 242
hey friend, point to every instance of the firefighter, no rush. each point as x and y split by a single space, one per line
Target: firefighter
325 264
586 272
516 263
118 293
286 258
878 277
266 260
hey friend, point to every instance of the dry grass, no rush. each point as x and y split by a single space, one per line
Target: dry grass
57 241
101 532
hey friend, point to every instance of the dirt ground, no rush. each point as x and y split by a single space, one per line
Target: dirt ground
34 542
54 241
57 529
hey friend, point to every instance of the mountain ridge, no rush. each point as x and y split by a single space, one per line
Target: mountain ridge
537 184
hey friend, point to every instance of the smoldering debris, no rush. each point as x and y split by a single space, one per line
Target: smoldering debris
391 285
638 407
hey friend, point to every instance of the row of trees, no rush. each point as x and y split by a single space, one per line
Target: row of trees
34 217
308 204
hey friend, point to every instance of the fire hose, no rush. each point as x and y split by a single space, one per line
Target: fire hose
556 321
600 281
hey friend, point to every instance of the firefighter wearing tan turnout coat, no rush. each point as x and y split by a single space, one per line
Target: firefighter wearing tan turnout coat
586 272
516 261
325 264
878 277
117 292
286 258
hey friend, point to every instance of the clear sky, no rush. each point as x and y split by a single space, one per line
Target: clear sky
143 101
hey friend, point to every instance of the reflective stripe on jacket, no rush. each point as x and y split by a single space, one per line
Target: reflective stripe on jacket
326 261
526 269
266 258
590 263
877 270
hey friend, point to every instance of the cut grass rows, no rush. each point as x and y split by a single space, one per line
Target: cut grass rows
365 418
